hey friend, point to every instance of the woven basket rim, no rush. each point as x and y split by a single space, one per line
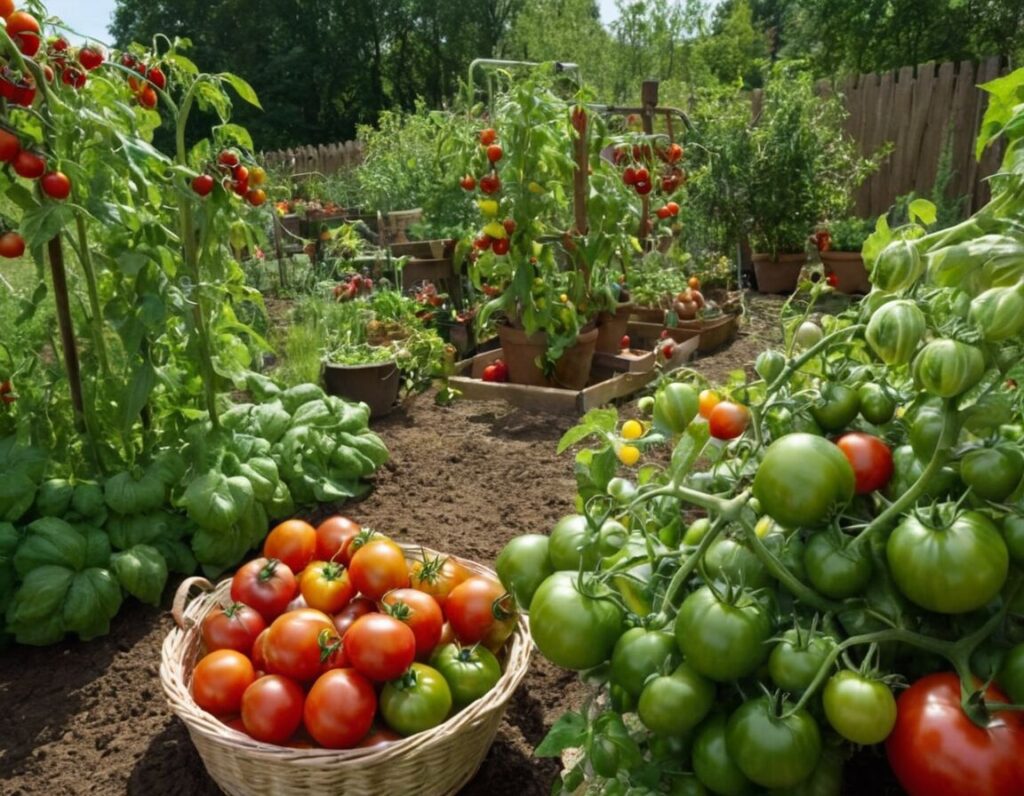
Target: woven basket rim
176 668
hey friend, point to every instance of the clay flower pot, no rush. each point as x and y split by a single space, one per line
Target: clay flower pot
612 326
851 274
375 384
522 352
778 275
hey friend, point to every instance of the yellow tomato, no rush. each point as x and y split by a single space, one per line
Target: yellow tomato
488 207
535 187
495 230
628 454
632 429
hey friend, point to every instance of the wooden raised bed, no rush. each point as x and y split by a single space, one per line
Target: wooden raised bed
711 334
610 378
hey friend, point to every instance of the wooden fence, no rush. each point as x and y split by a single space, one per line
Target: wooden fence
324 158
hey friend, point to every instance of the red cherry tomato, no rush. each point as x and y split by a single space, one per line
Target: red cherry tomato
870 458
488 136
728 420
56 185
293 542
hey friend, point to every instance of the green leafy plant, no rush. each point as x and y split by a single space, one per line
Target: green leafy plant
849 234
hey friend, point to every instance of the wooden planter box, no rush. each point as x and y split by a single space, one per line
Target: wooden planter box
710 335
612 376
424 249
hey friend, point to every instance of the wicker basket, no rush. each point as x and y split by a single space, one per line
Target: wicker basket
432 763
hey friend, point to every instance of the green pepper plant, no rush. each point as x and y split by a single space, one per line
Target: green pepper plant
826 556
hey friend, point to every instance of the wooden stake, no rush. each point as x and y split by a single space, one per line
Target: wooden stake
649 101
67 332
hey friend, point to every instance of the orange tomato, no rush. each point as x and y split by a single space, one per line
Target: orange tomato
292 542
709 399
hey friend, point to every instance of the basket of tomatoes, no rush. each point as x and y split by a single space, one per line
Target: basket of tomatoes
342 661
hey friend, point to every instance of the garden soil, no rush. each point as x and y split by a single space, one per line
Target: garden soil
91 718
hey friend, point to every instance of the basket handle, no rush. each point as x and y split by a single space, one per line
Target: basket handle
182 596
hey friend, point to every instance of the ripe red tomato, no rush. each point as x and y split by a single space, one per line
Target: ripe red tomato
293 542
488 136
266 585
870 458
12 245
641 175
490 184
147 97
90 57
10 146
272 708
23 28
203 184
663 212
29 165
259 651
233 628
377 568
642 187
6 8
339 708
332 535
380 647
300 643
436 576
500 246
629 175
495 153
353 545
56 185
480 611
360 606
156 76
229 158
728 420
256 197
220 679
326 586
468 182
673 208
936 750
76 78
675 152
509 225
420 612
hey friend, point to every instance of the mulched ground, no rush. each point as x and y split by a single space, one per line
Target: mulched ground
91 718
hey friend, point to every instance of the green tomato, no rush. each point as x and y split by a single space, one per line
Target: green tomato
418 700
685 785
769 365
860 709
604 756
675 406
773 752
713 764
780 421
876 405
522 565
956 564
926 429
621 700
948 368
907 468
696 532
836 408
640 653
571 629
1013 534
802 480
807 334
719 640
993 473
895 330
788 548
645 406
676 703
834 567
987 414
1011 674
729 561
612 537
796 659
899 265
634 584
825 780
621 490
999 312
572 543
469 671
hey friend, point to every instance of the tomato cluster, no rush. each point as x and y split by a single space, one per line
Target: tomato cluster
235 178
352 286
639 176
335 638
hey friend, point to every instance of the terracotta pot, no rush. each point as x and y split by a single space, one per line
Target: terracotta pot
780 275
375 385
849 270
612 326
522 352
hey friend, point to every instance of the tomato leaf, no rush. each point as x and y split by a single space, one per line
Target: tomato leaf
244 90
570 731
689 449
40 224
135 397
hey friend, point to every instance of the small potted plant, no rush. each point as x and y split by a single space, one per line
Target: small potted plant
839 246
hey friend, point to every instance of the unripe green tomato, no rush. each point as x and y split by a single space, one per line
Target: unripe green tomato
769 365
696 532
807 334
895 331
876 405
675 407
522 565
898 266
645 405
621 490
999 312
948 368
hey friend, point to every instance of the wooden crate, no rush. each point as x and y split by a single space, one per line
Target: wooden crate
610 378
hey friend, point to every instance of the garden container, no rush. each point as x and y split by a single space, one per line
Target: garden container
611 326
648 314
714 332
375 385
849 269
522 352
438 761
778 275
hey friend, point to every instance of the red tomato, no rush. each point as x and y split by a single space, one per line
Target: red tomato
380 647
203 184
378 739
6 8
332 535
377 568
56 185
360 606
233 628
488 136
936 750
293 542
256 197
500 246
266 585
709 399
90 57
365 536
229 158
12 245
157 77
340 708
728 420
10 146
29 165
436 576
326 586
300 642
495 153
272 708
220 679
147 97
23 28
420 612
259 651
479 611
870 459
